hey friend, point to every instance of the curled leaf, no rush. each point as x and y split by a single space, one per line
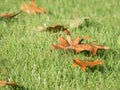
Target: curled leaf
83 65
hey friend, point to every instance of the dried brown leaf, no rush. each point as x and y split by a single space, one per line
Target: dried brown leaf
32 8
76 44
83 65
9 15
67 43
4 83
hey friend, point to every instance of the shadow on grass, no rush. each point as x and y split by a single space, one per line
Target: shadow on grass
112 54
19 88
90 23
100 69
115 53
8 20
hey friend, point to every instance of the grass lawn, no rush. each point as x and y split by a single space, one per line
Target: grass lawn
25 55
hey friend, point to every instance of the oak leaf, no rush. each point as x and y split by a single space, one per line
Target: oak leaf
32 8
9 15
83 65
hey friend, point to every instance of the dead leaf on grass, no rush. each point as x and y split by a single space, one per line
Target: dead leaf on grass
4 83
83 65
68 43
9 15
77 45
32 8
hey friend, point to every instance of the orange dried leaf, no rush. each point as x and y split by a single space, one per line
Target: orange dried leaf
32 8
4 83
67 43
83 65
76 44
9 15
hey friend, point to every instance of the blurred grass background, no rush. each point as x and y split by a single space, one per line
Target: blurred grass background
25 52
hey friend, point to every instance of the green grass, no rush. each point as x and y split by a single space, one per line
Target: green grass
25 52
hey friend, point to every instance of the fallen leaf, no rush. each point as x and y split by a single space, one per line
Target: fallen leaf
9 15
67 43
77 44
83 65
4 83
88 47
32 8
